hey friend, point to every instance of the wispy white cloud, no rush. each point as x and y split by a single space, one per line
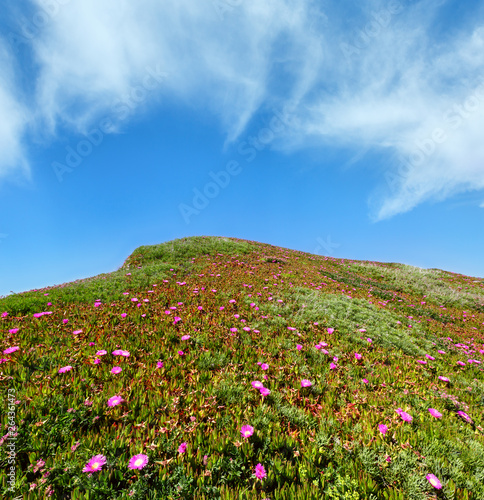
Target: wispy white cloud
379 78
14 119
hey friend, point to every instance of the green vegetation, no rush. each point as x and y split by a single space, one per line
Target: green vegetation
158 361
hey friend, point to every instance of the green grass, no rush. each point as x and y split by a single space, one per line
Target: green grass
321 441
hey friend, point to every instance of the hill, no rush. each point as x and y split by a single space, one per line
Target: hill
222 368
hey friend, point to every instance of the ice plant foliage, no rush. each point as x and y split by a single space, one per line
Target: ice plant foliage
302 324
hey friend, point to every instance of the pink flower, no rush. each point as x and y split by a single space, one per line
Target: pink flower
185 337
444 379
383 429
405 416
330 330
461 363
13 330
260 472
102 352
306 383
65 369
428 356
116 369
264 366
182 448
95 464
159 364
291 328
233 330
298 347
441 352
181 353
365 380
464 416
177 319
232 301
76 332
257 385
435 413
65 321
332 366
97 361
358 356
123 315
434 481
369 340
247 431
138 461
264 391
9 350
421 362
115 400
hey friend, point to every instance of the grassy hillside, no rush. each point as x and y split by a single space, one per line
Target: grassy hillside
219 368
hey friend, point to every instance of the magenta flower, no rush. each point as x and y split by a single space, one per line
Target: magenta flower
264 391
332 366
260 472
247 431
76 332
176 319
9 350
306 383
117 352
435 413
369 340
421 362
257 384
444 379
95 464
461 363
159 364
138 461
13 330
182 448
434 481
123 315
441 352
330 330
464 416
264 366
428 356
115 400
298 347
405 416
65 321
116 369
64 369
181 353
383 429
358 356
102 352
365 380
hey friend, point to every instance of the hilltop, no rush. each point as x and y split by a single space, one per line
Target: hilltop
349 379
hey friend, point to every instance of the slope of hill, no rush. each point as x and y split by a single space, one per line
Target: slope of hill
222 368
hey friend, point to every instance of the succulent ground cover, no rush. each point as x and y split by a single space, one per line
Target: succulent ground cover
221 368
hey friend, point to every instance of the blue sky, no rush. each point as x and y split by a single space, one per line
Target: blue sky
350 131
